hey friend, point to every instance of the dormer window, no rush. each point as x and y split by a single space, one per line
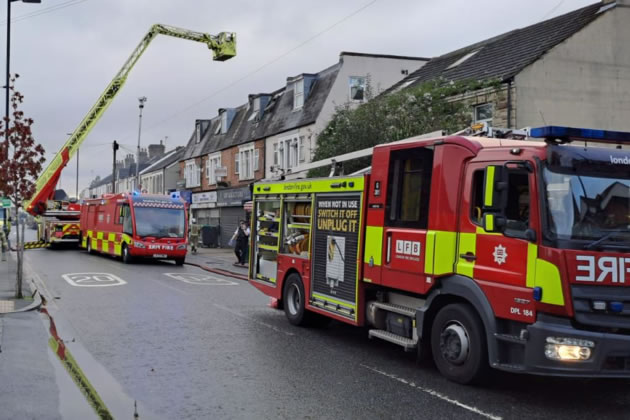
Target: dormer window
298 94
224 122
255 110
198 132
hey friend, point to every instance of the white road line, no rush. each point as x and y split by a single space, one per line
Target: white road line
435 394
183 292
264 324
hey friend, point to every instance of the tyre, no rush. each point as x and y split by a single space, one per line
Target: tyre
126 256
89 246
294 306
180 261
459 345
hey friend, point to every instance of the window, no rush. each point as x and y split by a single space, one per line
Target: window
118 220
126 222
256 159
465 57
483 113
476 207
275 154
255 110
213 162
224 122
298 94
237 159
357 88
247 162
288 151
408 190
302 149
517 210
191 174
198 132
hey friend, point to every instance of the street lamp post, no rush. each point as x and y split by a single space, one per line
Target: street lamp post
6 86
141 100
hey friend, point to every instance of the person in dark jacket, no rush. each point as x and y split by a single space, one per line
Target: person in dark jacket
241 239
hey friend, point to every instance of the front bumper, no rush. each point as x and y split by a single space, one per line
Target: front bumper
158 254
610 358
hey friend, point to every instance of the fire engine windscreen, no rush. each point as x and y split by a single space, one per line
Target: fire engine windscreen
160 222
588 207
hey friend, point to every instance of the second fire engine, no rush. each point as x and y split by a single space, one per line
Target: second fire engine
133 226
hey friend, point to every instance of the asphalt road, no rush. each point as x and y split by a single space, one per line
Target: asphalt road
187 344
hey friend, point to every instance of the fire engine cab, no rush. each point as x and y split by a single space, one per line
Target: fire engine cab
135 226
484 252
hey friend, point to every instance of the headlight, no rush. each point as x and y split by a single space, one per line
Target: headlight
568 349
139 245
181 246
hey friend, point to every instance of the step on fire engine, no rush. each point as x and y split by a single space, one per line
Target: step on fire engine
484 252
132 226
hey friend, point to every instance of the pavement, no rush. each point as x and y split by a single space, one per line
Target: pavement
34 384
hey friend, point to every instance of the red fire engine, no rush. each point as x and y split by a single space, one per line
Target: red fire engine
135 226
484 252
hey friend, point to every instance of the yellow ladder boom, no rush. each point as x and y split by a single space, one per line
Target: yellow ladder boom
223 47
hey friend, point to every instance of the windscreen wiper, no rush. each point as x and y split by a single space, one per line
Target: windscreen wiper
604 238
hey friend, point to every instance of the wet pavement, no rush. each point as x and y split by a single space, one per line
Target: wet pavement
189 344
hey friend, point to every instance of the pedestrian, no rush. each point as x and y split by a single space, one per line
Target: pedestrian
4 245
240 240
193 235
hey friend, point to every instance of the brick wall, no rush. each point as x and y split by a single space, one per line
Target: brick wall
499 98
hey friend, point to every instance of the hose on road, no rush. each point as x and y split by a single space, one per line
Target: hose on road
219 271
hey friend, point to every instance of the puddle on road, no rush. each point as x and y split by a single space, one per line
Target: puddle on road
72 404
119 404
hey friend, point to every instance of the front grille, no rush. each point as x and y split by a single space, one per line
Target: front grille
584 298
617 363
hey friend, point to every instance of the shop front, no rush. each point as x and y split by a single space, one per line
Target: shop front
230 202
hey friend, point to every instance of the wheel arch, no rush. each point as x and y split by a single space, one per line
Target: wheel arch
281 284
459 289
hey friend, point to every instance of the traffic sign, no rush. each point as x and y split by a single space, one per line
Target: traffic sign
6 202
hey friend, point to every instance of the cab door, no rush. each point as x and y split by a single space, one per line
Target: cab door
498 262
406 218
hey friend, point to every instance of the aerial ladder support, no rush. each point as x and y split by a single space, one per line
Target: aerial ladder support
223 47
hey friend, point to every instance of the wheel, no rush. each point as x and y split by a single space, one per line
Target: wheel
294 300
459 346
89 246
126 256
180 261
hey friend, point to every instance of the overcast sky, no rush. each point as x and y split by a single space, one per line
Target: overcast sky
67 51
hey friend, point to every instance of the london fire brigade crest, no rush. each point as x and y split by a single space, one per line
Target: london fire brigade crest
500 254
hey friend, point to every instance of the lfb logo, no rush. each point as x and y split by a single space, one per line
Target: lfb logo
408 248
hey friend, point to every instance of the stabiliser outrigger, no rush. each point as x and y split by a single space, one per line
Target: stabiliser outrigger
58 215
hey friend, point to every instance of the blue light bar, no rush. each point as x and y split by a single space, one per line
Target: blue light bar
553 132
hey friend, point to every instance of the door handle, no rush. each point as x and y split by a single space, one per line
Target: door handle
469 256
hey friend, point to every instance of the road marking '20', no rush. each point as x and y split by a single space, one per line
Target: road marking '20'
202 279
93 279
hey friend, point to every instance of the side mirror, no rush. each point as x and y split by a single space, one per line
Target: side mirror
495 188
493 222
